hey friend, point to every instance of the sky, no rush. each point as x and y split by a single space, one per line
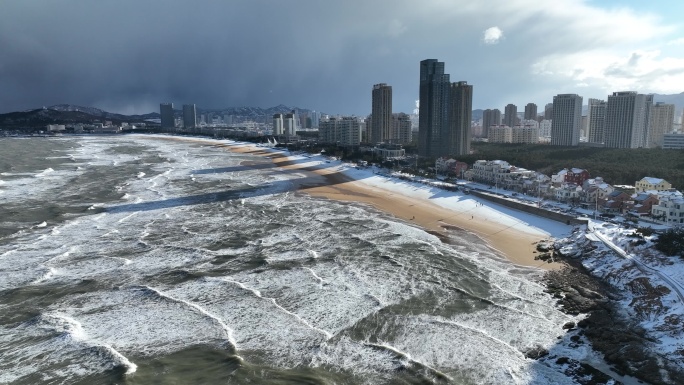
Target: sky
127 56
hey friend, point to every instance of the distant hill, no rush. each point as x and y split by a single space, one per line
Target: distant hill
676 99
69 114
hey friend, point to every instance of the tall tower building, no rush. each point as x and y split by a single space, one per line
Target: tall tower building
530 111
460 118
433 123
490 118
381 124
511 115
166 112
290 124
189 116
627 120
566 120
278 124
662 122
548 111
596 118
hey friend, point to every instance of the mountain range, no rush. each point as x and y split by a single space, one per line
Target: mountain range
68 114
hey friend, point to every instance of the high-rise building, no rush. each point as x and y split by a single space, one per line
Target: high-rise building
381 124
662 122
290 124
189 116
530 111
490 118
460 118
401 128
567 119
627 120
548 111
278 124
433 121
596 118
445 112
510 115
166 112
345 131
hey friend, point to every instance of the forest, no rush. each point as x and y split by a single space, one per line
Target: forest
617 166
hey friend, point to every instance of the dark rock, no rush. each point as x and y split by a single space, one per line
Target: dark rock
569 325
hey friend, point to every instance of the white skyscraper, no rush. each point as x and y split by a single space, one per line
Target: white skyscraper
628 120
278 124
567 120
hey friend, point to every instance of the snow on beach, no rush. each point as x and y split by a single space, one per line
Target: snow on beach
456 202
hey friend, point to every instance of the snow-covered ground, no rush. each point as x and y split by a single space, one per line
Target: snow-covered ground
458 203
651 284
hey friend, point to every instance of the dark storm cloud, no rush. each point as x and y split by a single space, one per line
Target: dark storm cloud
128 56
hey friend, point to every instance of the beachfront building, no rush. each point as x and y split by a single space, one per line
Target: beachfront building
652 184
595 191
389 150
450 167
343 131
616 202
573 175
642 203
670 207
380 128
568 193
500 173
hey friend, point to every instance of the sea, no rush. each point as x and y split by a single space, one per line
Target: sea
142 259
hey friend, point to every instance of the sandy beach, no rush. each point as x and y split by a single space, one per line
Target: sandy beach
515 243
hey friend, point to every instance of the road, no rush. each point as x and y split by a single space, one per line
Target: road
674 285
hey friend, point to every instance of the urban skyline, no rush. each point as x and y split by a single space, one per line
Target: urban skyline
591 49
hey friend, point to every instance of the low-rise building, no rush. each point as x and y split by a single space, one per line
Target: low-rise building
388 150
670 207
642 203
568 193
617 202
649 183
450 167
595 192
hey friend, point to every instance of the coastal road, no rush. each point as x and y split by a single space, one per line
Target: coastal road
674 284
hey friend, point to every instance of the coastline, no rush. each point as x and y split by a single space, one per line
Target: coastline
513 244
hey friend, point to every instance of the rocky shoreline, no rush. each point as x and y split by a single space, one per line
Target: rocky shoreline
608 327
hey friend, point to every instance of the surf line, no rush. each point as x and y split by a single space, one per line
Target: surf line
327 334
201 310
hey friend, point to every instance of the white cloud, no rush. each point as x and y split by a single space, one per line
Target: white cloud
492 35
